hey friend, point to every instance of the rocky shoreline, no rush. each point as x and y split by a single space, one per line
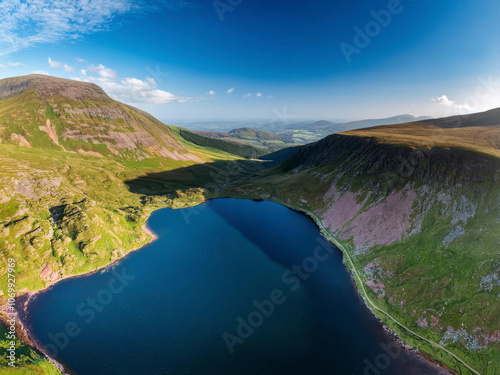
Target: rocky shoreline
22 329
385 327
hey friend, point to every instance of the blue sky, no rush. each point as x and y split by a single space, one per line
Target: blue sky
186 60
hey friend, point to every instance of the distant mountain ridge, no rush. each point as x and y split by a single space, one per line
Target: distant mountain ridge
478 132
329 127
294 133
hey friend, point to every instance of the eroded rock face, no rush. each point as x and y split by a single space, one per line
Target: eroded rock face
35 187
19 140
341 211
47 273
385 223
51 131
381 224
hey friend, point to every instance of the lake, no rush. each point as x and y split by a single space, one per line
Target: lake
232 287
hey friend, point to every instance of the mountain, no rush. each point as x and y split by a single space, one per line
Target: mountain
477 132
332 127
66 150
46 112
416 208
234 146
413 206
223 126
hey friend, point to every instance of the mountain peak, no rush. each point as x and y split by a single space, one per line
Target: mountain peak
48 87
54 113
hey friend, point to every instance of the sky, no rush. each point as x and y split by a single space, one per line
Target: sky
225 60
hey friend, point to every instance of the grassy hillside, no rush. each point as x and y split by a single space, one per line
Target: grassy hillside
479 132
229 145
58 114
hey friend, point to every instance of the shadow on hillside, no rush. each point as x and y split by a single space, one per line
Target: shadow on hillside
211 176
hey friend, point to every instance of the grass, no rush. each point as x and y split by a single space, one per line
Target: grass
484 139
28 361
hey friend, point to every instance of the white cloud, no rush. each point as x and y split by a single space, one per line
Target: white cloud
54 64
453 107
104 73
129 90
24 24
2 66
57 64
15 64
79 60
259 94
270 97
230 91
211 93
443 100
41 72
247 95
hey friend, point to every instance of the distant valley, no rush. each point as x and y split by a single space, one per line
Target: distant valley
288 132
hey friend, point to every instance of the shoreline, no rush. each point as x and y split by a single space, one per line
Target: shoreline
23 300
26 297
425 356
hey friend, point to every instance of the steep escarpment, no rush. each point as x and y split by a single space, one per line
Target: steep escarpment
421 223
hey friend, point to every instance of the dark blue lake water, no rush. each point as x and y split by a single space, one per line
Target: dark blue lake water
216 295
